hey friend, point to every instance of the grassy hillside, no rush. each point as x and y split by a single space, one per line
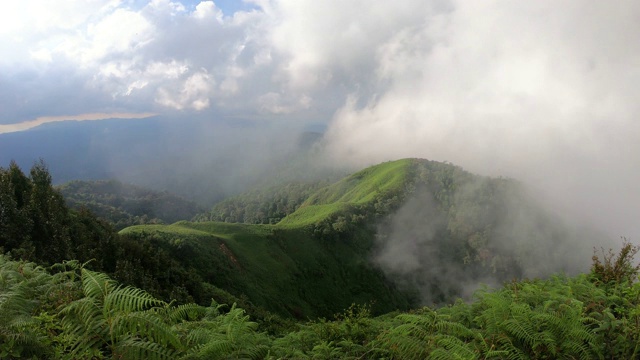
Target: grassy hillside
361 189
366 185
296 266
389 234
263 205
283 270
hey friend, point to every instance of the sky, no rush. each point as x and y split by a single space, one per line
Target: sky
542 91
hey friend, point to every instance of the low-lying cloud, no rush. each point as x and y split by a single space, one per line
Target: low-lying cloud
539 91
445 243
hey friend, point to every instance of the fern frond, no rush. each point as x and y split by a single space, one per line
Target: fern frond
148 325
96 285
217 349
136 348
450 347
129 299
255 352
184 312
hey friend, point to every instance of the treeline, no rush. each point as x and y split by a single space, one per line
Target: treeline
70 312
125 205
36 225
266 205
179 267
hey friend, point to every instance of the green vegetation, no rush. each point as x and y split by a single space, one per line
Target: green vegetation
286 271
266 205
36 225
126 205
153 291
366 185
291 268
69 312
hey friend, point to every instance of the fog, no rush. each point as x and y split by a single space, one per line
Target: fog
539 91
492 232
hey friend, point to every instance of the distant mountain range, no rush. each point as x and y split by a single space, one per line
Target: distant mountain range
202 159
125 205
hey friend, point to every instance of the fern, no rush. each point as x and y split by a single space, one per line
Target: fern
136 348
120 321
129 299
451 347
537 319
21 286
430 335
218 336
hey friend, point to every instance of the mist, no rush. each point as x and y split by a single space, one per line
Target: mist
481 232
541 92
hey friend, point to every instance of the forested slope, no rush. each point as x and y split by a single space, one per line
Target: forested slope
125 204
295 266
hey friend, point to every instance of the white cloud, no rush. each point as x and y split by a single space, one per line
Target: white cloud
156 53
169 70
193 93
122 32
208 10
166 6
540 91
275 103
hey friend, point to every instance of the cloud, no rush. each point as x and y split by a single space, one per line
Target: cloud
276 103
539 91
193 93
208 10
159 54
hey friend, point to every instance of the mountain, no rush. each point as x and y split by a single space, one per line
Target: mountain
202 159
396 235
390 237
125 204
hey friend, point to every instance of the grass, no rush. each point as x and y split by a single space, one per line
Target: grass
358 189
176 228
283 267
310 214
365 185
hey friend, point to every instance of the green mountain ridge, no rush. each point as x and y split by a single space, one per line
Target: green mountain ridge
293 267
296 266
